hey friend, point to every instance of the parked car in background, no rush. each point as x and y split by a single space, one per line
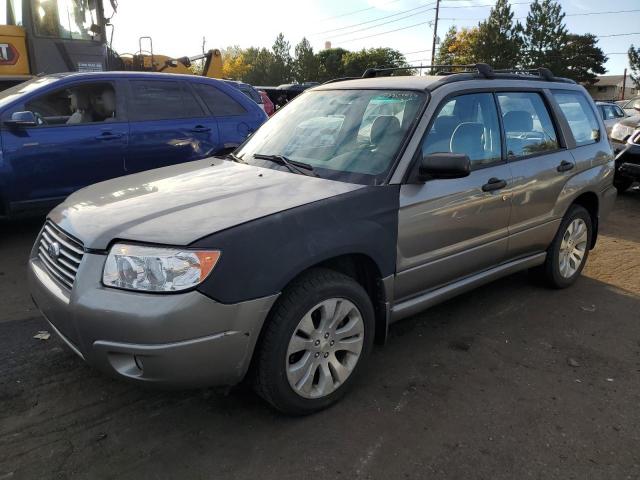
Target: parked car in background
65 131
625 139
269 107
291 257
631 106
611 114
249 91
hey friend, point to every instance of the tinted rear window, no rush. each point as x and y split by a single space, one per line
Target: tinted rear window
218 102
160 100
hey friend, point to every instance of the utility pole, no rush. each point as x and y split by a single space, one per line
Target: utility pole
435 35
624 84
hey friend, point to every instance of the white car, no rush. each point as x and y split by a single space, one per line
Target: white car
611 114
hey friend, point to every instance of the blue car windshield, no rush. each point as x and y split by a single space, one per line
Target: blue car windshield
346 135
15 92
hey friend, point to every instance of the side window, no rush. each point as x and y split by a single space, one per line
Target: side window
162 100
467 124
219 103
582 121
619 112
80 104
527 124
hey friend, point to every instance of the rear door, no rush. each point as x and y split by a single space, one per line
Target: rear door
168 125
68 150
235 121
452 228
541 165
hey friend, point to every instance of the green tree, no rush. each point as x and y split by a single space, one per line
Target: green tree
306 64
445 55
582 59
634 63
330 63
260 61
545 36
459 47
499 39
355 63
282 67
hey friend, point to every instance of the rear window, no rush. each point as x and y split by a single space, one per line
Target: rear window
162 100
219 103
578 112
251 93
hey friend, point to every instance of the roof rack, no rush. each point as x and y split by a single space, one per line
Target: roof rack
482 70
340 79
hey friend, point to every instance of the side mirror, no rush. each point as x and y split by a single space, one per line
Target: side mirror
444 165
22 119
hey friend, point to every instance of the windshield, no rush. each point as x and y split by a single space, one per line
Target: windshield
12 93
347 135
70 19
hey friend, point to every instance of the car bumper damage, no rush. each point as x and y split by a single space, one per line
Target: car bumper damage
182 339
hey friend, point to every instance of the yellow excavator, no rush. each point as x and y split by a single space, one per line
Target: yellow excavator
50 36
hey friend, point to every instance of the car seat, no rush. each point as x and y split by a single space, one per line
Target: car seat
81 107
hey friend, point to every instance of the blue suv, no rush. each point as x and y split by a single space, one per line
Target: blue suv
65 131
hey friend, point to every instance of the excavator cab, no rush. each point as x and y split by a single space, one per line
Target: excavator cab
50 36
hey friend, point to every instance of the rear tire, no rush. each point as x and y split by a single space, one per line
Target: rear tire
568 253
316 342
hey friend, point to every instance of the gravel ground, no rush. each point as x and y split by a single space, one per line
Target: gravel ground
509 381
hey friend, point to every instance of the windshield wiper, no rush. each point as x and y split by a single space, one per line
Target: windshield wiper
293 165
234 157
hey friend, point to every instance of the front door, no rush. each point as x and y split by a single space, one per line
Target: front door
452 228
168 126
81 139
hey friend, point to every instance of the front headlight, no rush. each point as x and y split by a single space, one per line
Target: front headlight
157 269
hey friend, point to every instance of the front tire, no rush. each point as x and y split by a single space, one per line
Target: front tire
316 341
568 253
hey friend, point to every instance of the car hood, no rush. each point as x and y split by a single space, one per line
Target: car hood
179 204
632 121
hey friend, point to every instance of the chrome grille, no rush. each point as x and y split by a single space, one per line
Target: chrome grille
60 254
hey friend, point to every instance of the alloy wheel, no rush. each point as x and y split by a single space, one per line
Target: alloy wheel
573 248
325 348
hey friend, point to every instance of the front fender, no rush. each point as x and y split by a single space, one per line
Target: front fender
261 257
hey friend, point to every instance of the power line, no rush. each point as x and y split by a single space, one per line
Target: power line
383 23
484 6
375 20
356 11
384 33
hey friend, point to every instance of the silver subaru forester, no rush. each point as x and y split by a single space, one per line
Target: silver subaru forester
362 202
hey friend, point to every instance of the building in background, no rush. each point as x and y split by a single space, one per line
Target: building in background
609 88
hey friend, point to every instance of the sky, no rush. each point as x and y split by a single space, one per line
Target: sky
178 28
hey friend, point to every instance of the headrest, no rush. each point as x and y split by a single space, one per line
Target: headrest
108 101
518 121
467 138
384 125
80 100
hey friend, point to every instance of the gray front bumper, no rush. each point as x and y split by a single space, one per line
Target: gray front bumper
182 339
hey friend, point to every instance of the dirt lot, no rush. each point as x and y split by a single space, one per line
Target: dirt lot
510 381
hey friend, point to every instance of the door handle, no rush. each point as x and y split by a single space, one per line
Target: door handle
200 129
494 184
109 136
564 166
